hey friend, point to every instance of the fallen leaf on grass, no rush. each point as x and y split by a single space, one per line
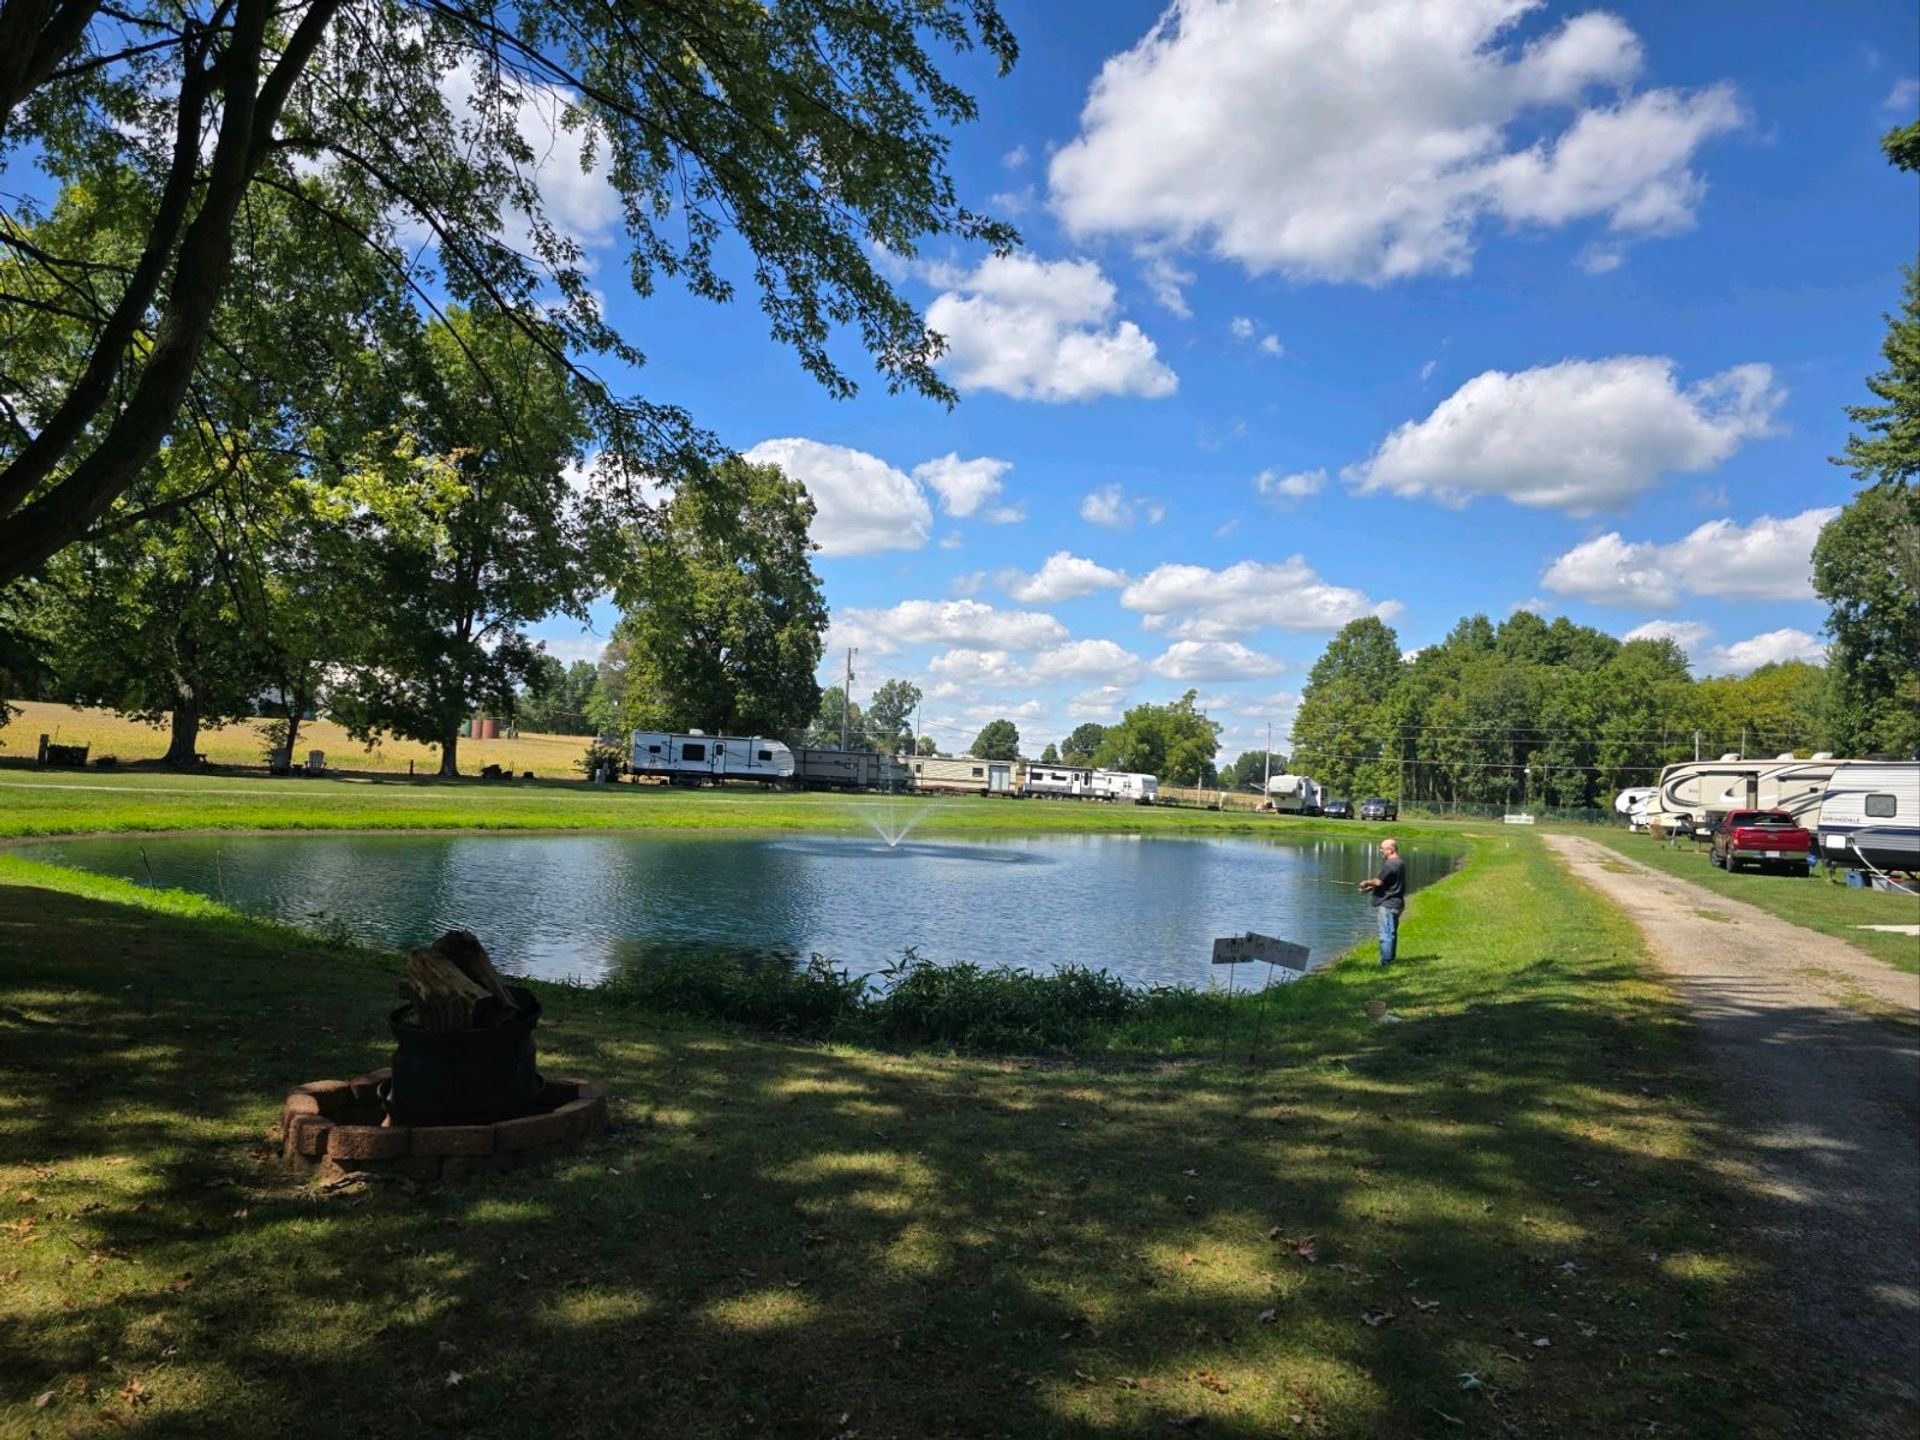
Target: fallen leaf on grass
43 1399
454 1377
1210 1381
1542 1343
1420 1304
134 1392
1267 1317
1376 1318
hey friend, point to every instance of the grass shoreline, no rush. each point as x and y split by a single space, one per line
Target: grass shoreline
804 1239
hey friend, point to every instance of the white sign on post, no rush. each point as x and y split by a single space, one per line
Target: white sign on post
1251 949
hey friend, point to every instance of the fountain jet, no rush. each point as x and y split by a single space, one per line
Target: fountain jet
889 824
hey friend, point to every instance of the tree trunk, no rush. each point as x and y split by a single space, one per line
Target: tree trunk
450 751
185 739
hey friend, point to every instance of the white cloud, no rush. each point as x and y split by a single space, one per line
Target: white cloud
1579 436
1373 139
1769 559
1110 506
1241 327
1102 703
1044 330
1601 259
1297 486
1902 98
1167 281
865 505
1214 660
961 624
1426 370
967 671
1015 158
579 647
953 540
1064 576
1772 647
965 485
1270 345
1192 602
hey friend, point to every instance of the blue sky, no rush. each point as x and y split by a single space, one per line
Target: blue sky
1409 307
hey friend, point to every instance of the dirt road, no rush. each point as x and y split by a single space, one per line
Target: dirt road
1825 1098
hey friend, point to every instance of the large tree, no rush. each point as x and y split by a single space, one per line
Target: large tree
1176 742
811 130
472 534
1866 563
997 740
890 716
723 618
1079 747
1342 736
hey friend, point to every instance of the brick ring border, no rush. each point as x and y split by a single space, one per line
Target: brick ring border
339 1127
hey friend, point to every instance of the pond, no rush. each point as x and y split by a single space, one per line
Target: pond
584 906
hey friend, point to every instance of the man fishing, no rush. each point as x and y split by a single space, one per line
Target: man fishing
1389 890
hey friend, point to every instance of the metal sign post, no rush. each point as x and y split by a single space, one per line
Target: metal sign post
1232 950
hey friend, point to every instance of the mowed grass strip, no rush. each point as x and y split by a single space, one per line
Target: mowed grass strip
1495 1215
244 742
1813 901
35 803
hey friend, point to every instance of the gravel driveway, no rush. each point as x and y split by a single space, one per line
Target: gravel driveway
1826 1098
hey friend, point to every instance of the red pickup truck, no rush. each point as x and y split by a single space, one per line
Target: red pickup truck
1770 839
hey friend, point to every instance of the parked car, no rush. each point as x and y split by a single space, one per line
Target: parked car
1770 839
1380 809
1338 810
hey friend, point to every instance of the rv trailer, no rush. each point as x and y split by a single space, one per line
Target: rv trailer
1633 803
1704 788
1296 794
823 769
1870 817
965 775
1060 782
694 758
1125 785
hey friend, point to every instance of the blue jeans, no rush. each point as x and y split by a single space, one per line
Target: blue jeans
1389 933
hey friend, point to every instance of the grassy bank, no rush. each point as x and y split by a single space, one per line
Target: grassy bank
1494 1216
1817 903
245 743
35 803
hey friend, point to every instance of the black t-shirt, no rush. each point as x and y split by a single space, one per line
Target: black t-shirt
1393 885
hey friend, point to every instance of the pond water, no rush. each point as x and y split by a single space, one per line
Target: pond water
584 906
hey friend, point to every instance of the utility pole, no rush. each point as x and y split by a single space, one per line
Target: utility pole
1267 784
919 714
846 699
1696 744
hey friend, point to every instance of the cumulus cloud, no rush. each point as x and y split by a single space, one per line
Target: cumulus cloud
1044 330
1064 576
1192 602
1579 436
972 670
1167 282
1243 328
1374 139
1214 660
1102 703
960 624
864 504
1111 507
965 485
1272 485
1742 656
1769 559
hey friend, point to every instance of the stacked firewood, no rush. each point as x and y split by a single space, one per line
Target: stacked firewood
453 985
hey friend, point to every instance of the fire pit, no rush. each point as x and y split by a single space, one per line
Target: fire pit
338 1127
463 1095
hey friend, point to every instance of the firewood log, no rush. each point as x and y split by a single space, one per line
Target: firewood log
464 949
444 997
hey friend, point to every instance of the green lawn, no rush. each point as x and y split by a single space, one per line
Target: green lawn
1817 903
1499 1215
36 802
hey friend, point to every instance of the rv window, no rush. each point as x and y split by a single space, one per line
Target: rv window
1882 807
693 752
653 749
976 771
766 755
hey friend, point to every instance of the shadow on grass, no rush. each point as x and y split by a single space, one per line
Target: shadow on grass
1496 1213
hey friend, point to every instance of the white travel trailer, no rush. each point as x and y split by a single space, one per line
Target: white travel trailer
693 758
1633 803
1059 782
1296 794
1870 817
1125 785
1704 788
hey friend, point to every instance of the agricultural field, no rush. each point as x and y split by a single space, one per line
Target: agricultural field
245 743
